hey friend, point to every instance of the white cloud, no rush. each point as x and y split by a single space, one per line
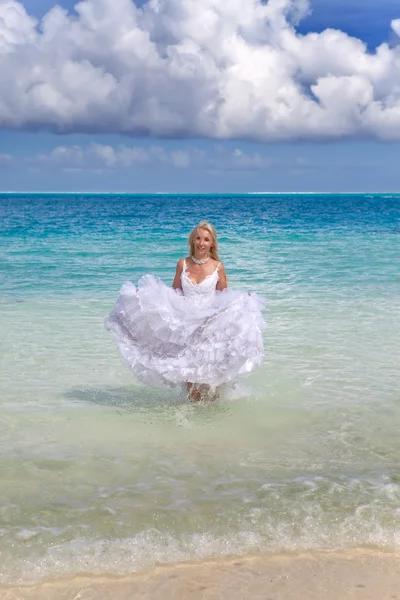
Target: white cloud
105 158
238 160
199 68
396 26
102 157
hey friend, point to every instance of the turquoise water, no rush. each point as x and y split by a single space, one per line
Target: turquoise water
99 474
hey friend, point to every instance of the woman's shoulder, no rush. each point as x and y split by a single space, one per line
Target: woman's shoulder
217 264
181 263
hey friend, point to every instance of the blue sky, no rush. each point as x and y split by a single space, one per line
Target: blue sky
90 152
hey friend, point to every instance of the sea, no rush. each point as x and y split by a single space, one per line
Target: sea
102 475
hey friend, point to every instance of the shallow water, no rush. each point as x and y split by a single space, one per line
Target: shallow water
100 474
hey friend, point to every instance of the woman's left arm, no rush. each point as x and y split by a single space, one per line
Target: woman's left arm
222 282
177 285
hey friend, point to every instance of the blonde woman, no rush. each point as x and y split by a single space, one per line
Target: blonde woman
198 332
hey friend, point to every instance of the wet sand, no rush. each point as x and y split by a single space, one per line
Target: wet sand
349 576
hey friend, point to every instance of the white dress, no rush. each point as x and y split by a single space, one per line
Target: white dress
197 334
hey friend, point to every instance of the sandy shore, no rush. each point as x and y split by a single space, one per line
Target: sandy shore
358 576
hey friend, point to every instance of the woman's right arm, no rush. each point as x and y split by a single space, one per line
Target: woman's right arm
177 285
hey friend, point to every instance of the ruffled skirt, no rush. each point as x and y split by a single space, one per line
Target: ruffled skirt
167 338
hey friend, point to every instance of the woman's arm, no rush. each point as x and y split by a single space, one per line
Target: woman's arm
177 285
223 282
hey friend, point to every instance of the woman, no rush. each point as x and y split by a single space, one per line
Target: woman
198 332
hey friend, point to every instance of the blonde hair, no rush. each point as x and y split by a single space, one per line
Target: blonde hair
211 230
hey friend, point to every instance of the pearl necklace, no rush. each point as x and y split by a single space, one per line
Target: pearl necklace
198 261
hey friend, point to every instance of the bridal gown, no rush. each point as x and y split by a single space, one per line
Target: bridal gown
198 334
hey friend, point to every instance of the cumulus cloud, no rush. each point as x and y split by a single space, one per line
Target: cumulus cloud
194 68
396 26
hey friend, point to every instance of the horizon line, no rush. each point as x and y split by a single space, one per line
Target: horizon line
264 193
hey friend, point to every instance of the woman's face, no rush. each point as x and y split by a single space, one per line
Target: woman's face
203 242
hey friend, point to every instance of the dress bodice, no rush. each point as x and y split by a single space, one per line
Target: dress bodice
202 292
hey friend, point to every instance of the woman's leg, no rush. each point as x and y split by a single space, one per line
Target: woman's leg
194 392
200 391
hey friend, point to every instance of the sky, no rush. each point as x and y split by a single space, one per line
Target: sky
200 96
